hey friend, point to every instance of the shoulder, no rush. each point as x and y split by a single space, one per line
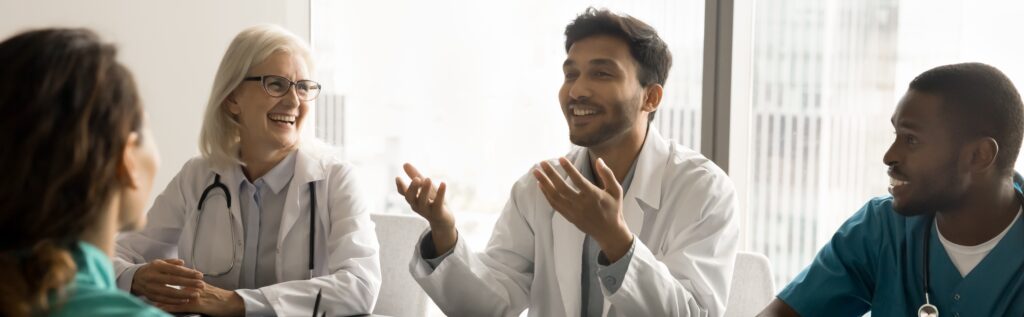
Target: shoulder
690 173
334 168
323 162
193 173
876 212
195 168
323 155
875 219
92 301
527 183
872 230
877 209
847 269
686 162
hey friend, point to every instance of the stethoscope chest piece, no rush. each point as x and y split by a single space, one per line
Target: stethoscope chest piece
928 310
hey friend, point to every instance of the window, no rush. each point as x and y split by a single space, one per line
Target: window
826 77
467 91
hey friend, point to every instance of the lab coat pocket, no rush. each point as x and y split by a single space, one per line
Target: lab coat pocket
213 250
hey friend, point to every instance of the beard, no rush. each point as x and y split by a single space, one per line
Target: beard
604 133
944 191
621 121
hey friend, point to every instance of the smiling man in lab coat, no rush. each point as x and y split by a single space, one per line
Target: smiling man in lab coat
627 224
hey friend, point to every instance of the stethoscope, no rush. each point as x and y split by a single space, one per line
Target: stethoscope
234 250
927 309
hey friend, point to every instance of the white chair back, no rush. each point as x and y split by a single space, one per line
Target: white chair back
400 295
752 285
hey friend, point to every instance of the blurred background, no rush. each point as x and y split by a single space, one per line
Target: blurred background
467 90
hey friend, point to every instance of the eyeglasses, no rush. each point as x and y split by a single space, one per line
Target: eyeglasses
277 86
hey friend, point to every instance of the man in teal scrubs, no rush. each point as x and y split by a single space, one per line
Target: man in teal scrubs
954 193
94 291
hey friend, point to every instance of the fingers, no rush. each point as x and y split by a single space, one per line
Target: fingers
556 179
423 200
410 193
167 279
574 174
439 199
402 188
160 299
175 267
176 308
170 295
611 185
548 189
421 195
411 171
431 190
542 180
154 280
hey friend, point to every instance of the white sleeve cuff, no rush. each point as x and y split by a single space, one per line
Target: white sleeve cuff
124 280
427 248
256 304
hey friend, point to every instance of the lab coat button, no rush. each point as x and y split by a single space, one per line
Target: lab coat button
956 296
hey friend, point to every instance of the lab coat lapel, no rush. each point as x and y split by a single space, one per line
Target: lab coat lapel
307 169
568 261
568 248
645 187
231 177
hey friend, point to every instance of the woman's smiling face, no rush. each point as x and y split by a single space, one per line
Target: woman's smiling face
271 123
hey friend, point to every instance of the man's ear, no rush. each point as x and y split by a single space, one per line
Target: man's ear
983 154
652 98
127 172
231 104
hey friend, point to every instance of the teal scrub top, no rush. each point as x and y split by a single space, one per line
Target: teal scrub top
874 262
94 291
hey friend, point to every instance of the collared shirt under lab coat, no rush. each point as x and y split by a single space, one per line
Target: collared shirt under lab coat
680 207
262 205
596 269
347 265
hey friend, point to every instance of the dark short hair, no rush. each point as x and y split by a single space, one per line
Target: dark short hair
648 50
979 101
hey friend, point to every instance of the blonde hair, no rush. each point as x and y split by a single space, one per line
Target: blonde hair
219 138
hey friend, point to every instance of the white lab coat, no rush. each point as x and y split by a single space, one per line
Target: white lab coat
680 206
347 264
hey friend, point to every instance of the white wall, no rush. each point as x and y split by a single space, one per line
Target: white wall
173 48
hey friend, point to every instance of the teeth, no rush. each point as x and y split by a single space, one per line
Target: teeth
282 117
895 182
583 112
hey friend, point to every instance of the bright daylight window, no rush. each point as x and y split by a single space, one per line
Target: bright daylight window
826 77
467 91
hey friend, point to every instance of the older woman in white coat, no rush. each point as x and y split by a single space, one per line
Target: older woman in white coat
263 221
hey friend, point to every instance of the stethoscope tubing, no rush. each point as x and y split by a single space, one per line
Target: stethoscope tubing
217 184
927 307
